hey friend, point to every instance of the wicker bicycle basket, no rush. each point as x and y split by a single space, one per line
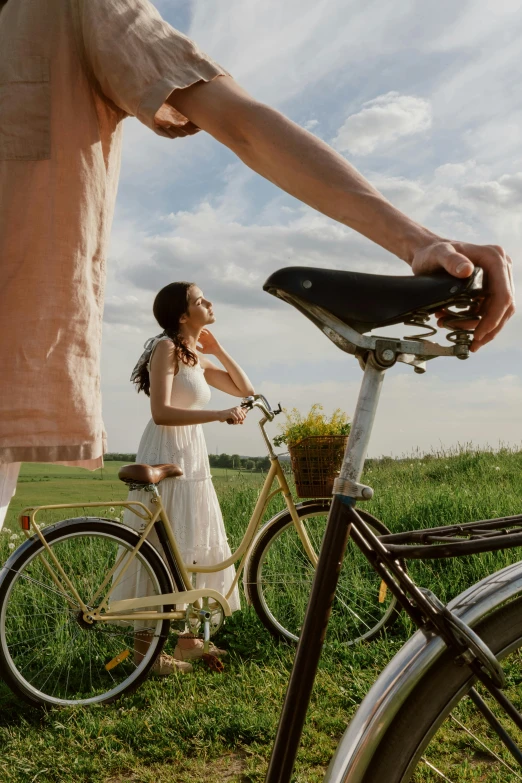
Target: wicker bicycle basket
316 463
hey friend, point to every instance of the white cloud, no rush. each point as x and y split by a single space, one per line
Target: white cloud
475 89
478 22
278 50
382 121
496 138
322 61
230 260
506 192
462 201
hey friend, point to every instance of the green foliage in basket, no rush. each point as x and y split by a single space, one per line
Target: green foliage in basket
315 422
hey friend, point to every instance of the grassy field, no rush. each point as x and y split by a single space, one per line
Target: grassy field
219 727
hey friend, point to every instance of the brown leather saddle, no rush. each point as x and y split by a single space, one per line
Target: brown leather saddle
148 474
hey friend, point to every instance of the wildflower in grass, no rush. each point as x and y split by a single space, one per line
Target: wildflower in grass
111 511
497 468
14 537
11 545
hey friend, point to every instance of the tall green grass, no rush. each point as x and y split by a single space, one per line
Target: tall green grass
204 727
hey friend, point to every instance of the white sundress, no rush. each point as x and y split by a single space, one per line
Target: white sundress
190 501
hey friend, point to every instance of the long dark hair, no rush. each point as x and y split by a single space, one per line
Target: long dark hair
169 305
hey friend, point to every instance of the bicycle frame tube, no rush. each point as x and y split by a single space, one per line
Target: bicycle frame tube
264 498
160 516
32 523
262 501
324 584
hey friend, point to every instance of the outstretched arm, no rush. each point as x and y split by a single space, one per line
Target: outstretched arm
307 168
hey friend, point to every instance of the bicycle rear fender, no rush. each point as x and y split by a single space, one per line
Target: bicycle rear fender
397 680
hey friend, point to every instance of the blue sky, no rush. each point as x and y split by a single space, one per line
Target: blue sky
424 99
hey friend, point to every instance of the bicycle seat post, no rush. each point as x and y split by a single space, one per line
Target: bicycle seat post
364 416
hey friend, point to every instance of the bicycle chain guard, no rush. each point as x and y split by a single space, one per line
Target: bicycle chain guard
469 646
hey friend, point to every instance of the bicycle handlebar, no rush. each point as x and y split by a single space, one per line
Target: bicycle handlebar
261 402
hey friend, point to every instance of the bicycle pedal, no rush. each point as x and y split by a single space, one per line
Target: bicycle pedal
213 662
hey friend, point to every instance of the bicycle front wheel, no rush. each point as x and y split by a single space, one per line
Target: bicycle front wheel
49 654
438 733
279 579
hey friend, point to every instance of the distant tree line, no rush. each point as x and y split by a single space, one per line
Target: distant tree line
232 461
235 462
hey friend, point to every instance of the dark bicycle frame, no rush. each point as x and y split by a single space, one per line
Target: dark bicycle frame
384 554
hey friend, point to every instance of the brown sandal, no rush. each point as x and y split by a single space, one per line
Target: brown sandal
190 648
167 664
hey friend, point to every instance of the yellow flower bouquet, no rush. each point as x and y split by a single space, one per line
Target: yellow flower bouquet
316 445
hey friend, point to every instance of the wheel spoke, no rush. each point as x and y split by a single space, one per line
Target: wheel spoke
48 651
437 771
483 745
280 577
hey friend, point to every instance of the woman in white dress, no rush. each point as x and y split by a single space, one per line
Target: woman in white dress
175 372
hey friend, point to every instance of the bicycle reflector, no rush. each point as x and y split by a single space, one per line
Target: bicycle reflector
26 523
117 659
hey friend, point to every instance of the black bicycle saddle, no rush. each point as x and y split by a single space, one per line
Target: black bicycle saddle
367 302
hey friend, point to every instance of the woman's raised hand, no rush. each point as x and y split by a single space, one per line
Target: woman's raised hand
233 415
207 343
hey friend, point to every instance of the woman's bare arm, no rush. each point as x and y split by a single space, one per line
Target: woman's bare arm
233 379
162 371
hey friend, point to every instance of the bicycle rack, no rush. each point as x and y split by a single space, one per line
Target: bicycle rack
488 535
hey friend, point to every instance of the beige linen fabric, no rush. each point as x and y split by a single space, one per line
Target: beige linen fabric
70 72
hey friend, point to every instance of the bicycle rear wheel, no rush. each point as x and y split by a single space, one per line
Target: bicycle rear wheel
48 653
279 577
438 734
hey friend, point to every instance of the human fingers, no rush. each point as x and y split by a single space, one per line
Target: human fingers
477 344
498 305
228 416
491 335
442 254
450 319
447 322
236 415
206 340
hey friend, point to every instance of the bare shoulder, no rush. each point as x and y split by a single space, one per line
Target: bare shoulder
164 357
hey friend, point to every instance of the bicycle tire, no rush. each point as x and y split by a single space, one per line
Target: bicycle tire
401 753
26 588
357 614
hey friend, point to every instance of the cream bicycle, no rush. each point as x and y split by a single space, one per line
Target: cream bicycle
64 641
